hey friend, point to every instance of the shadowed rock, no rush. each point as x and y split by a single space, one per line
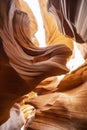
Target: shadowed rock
71 17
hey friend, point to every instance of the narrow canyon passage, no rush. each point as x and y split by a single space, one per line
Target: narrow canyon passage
43 80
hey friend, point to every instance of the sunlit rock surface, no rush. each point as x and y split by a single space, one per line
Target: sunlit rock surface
64 108
61 111
74 79
53 35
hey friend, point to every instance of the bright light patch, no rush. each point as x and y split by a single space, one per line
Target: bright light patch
77 60
40 34
74 63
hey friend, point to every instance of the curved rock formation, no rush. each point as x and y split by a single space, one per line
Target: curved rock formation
60 111
71 17
53 35
24 65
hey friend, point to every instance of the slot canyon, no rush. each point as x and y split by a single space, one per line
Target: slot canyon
43 87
